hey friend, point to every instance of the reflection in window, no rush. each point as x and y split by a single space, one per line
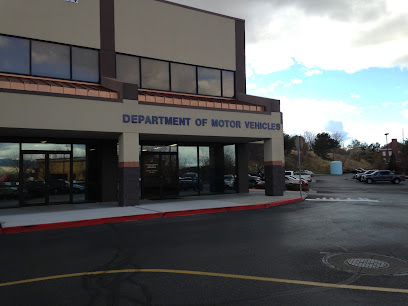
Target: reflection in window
209 81
9 174
155 74
85 65
160 148
50 60
127 68
188 171
46 146
183 78
79 172
14 55
228 84
229 169
205 168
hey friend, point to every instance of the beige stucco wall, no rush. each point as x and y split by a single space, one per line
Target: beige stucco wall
58 113
52 20
132 108
164 31
70 114
274 150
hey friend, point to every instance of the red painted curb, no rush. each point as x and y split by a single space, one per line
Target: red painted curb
278 203
40 227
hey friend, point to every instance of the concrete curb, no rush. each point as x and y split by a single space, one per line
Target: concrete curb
158 215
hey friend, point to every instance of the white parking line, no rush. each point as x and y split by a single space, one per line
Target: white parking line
342 200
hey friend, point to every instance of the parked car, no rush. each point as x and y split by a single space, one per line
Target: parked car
382 176
358 170
292 180
307 172
190 180
229 181
305 177
358 176
253 179
304 182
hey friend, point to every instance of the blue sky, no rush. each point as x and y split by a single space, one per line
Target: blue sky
335 65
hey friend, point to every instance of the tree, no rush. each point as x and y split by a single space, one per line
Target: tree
310 138
340 137
289 143
324 144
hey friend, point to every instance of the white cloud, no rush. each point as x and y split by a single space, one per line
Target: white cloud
346 35
251 85
300 115
303 114
355 96
274 84
296 81
313 72
261 91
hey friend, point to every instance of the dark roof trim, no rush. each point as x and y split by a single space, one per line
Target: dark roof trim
199 10
271 105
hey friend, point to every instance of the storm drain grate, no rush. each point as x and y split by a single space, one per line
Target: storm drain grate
367 263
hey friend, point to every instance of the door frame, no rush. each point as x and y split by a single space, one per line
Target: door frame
160 154
47 176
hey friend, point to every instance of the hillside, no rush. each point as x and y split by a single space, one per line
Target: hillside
316 164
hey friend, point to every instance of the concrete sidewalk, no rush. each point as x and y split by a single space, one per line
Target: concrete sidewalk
15 220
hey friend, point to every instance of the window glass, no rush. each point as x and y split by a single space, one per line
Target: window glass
85 65
189 182
9 174
205 169
79 173
50 60
127 68
183 78
229 169
155 74
46 146
14 55
228 84
209 81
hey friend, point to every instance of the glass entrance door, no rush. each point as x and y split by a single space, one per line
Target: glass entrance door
46 178
159 175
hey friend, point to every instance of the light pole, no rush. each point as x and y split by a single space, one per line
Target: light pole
386 147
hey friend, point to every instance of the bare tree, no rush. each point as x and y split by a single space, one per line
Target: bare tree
340 137
310 139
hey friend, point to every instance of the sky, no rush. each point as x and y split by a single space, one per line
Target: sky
335 65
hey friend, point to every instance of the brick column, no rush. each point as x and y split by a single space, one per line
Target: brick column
129 171
274 163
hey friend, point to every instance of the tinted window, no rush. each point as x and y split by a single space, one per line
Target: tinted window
155 74
209 81
183 78
50 60
85 65
228 84
127 69
14 55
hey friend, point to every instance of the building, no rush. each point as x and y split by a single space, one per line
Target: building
118 100
391 149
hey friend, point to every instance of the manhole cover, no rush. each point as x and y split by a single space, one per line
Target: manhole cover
367 263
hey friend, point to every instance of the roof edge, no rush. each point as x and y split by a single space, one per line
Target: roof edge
200 10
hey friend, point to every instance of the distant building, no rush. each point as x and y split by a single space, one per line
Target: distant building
392 148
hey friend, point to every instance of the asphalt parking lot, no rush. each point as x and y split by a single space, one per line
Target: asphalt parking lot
345 245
